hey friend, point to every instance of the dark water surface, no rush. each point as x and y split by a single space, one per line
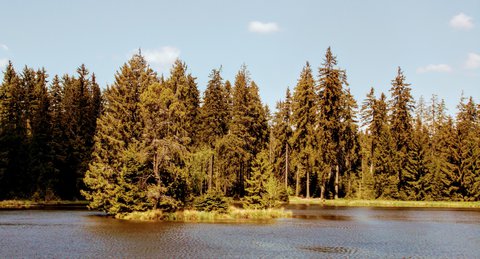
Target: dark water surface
313 232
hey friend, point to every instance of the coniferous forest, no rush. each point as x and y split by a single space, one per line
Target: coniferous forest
149 141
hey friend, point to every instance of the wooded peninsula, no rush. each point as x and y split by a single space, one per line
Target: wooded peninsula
154 143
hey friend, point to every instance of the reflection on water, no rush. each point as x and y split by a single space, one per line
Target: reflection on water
314 231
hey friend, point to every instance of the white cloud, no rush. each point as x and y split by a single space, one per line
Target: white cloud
161 58
260 27
440 68
4 47
3 63
473 61
461 21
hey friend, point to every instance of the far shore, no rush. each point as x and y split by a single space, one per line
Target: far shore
386 203
27 204
65 204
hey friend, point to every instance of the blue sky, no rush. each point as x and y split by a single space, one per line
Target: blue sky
436 42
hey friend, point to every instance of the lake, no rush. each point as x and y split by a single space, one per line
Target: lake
313 232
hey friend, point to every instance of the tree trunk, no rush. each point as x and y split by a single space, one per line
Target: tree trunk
322 191
210 174
308 184
336 180
286 168
297 184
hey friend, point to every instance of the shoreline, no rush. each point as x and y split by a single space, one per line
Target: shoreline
65 204
386 203
27 204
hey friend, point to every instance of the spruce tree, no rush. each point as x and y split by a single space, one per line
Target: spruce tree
303 120
331 117
164 143
214 112
262 186
116 177
185 89
401 108
41 154
281 136
467 153
58 142
248 124
13 135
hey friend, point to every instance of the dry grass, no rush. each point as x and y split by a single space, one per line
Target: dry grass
386 203
26 204
233 214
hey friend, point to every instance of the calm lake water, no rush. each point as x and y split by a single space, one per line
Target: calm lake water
313 232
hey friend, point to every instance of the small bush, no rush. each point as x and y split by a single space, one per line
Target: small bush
150 215
212 201
169 204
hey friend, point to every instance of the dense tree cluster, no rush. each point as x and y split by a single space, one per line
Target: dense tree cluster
46 132
157 143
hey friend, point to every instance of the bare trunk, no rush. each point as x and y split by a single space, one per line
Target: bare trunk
308 184
337 174
297 184
210 174
286 168
322 191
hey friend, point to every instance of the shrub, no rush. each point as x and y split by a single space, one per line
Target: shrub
212 201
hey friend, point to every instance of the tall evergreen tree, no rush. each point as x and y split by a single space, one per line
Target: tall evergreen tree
214 112
13 135
41 154
401 108
303 120
248 124
186 92
116 176
281 136
165 145
214 119
330 119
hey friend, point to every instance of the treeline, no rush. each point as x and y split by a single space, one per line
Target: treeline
158 143
46 133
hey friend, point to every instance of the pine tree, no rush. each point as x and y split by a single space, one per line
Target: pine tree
349 144
303 120
186 92
214 120
81 103
467 155
165 144
330 119
281 136
116 177
262 186
248 124
214 112
13 135
418 174
58 142
382 165
401 107
41 154
437 127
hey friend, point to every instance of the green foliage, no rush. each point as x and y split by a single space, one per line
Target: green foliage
304 107
212 201
248 126
150 144
263 189
118 176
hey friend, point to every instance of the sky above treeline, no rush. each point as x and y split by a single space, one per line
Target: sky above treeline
435 42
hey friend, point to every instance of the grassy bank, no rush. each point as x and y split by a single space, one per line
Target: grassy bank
386 203
233 214
27 204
